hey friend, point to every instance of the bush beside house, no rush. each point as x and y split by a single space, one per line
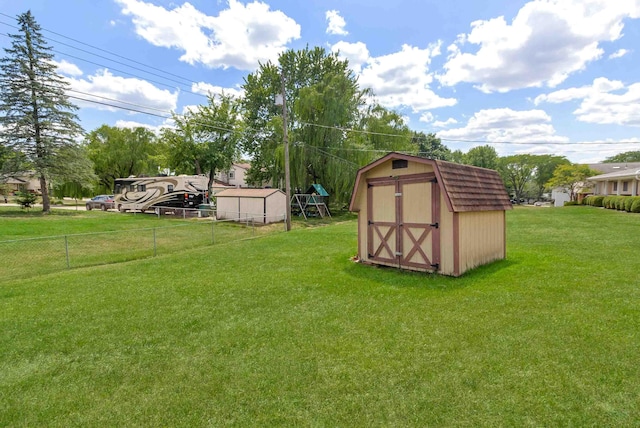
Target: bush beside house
630 204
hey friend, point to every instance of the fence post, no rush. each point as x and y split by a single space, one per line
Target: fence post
184 213
66 250
155 251
253 227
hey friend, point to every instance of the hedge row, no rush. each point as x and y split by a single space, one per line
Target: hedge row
629 204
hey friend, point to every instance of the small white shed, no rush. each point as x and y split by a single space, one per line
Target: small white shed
257 205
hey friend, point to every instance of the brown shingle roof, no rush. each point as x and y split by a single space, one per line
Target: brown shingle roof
466 188
471 188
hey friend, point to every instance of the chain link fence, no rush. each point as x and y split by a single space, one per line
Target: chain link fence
37 256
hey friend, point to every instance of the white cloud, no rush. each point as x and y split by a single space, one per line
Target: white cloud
356 53
595 151
427 117
604 102
208 89
156 129
546 42
619 53
507 125
137 93
335 23
444 124
402 79
67 68
240 36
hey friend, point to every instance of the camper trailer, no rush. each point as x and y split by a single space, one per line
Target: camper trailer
145 193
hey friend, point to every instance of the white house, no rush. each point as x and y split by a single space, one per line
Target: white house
236 176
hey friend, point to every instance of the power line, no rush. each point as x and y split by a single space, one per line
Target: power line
189 81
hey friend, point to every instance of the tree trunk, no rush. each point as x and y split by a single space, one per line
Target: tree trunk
46 205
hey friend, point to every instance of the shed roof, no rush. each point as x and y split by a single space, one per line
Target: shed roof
466 188
247 193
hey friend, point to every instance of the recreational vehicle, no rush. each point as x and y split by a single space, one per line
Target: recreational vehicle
144 193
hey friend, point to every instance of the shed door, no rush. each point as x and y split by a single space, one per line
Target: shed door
404 216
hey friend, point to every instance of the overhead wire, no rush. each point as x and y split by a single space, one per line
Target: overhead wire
137 110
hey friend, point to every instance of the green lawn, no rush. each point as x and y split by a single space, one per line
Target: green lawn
286 330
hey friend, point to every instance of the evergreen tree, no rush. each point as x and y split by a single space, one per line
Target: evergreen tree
36 117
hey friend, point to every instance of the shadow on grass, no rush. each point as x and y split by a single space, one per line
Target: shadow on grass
400 278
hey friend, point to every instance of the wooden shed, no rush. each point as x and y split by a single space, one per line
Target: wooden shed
257 205
429 215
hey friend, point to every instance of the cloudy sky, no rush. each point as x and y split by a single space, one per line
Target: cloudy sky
540 76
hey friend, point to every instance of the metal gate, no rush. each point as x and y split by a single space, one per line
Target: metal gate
403 221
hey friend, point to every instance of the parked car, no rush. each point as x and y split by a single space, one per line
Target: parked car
104 202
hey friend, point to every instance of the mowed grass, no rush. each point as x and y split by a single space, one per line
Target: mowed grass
33 244
287 331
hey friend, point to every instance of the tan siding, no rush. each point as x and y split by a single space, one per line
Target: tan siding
481 238
446 239
385 170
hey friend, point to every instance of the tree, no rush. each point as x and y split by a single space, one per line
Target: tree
571 178
430 146
36 118
482 156
517 172
206 140
323 99
76 177
633 156
545 165
121 152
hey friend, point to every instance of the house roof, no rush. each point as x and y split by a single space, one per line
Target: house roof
606 168
245 166
627 173
247 193
466 188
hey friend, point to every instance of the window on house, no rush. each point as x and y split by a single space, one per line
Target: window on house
232 175
615 186
625 186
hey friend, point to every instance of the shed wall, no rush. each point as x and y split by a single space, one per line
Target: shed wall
276 207
482 238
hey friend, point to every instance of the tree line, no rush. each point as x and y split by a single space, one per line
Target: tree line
334 127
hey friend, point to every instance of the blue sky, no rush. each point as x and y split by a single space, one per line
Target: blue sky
541 76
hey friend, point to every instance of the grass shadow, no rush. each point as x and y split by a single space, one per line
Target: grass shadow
401 278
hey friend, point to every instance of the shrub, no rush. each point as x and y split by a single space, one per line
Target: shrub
597 201
620 203
628 202
606 202
26 199
635 207
569 203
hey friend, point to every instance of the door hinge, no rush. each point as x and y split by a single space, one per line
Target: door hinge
398 254
369 222
436 266
435 225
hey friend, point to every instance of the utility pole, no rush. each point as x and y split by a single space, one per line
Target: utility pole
287 175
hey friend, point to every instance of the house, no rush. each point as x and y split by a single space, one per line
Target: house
26 181
429 215
256 205
625 182
235 176
613 174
